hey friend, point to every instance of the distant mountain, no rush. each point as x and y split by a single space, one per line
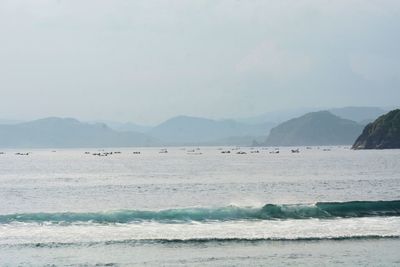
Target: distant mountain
316 128
383 133
185 130
362 115
358 114
278 116
126 126
133 127
6 121
63 133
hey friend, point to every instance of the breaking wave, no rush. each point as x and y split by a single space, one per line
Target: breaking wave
322 210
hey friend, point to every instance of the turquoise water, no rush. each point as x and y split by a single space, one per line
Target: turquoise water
68 207
319 210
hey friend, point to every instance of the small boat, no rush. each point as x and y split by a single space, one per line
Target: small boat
194 153
296 150
241 153
163 151
22 154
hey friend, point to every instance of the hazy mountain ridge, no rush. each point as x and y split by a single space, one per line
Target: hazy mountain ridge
195 130
56 132
362 115
125 126
184 131
315 128
66 132
383 133
354 113
187 130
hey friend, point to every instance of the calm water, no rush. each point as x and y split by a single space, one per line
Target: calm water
67 207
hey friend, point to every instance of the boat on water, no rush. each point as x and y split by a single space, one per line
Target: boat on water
194 153
22 154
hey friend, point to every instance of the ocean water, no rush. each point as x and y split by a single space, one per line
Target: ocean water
200 207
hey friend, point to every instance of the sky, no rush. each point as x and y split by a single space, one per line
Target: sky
146 61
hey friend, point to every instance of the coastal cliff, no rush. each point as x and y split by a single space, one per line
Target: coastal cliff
383 133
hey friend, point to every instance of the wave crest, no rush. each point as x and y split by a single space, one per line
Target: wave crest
322 210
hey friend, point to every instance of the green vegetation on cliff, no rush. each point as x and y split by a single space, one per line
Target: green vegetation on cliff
383 133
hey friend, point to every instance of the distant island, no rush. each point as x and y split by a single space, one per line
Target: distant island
315 128
337 126
54 132
187 130
67 133
383 133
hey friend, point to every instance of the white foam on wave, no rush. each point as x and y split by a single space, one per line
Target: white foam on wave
32 233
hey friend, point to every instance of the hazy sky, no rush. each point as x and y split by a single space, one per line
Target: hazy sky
145 61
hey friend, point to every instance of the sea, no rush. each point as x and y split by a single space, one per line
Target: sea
200 206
